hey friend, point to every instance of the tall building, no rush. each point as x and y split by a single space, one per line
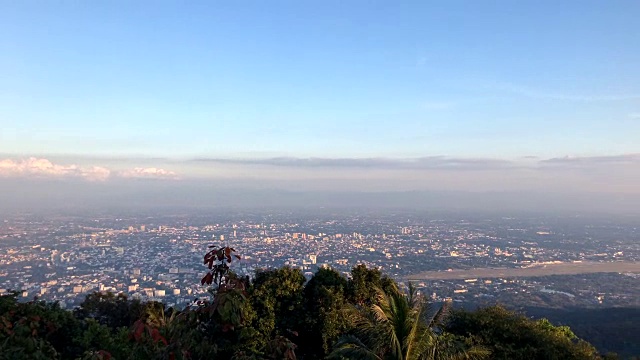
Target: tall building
54 256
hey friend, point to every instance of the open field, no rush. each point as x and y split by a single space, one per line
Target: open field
541 270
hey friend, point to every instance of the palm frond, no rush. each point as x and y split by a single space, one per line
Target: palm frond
475 353
414 338
412 294
447 347
439 317
401 327
351 347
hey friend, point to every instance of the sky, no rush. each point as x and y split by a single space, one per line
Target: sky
480 96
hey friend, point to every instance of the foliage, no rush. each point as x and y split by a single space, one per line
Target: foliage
110 309
513 336
278 315
597 324
217 260
324 322
401 327
276 297
35 330
363 284
101 342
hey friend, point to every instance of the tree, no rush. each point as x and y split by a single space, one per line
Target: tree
276 297
36 330
218 260
276 316
99 342
110 309
513 336
324 301
400 327
171 334
361 288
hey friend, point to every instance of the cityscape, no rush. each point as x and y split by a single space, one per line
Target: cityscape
468 258
397 180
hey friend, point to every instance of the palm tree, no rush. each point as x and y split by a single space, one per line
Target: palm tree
401 327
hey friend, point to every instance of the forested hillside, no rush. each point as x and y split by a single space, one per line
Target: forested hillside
279 315
609 330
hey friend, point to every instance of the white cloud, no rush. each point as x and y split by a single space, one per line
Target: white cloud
97 173
35 167
422 163
152 172
43 168
591 161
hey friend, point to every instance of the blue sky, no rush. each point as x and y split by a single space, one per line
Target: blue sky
493 80
335 79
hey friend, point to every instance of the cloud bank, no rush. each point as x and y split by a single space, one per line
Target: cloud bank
588 183
149 173
595 174
34 167
624 159
422 163
43 168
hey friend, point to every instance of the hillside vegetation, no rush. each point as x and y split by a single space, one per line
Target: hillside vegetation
280 315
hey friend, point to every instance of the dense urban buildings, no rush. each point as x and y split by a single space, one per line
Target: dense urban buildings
518 259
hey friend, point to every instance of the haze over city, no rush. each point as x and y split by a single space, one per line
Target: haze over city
479 105
279 179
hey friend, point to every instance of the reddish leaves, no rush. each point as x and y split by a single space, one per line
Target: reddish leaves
217 260
6 326
281 348
157 337
207 279
140 328
104 355
227 305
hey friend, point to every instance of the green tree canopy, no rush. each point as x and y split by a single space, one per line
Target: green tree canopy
513 336
324 301
276 315
400 326
276 297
